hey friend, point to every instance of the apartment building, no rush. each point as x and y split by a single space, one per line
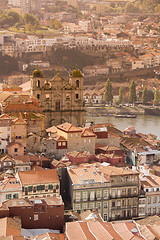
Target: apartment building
43 183
150 185
112 191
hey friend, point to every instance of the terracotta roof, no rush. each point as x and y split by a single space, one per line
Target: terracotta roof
52 129
10 184
67 127
87 133
38 177
90 172
102 230
110 148
150 181
14 143
4 116
10 226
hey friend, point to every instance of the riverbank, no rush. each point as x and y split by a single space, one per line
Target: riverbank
109 111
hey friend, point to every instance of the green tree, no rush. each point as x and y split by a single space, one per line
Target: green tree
30 19
54 23
132 92
156 97
108 96
120 98
131 8
144 96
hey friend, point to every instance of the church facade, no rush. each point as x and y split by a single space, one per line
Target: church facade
61 100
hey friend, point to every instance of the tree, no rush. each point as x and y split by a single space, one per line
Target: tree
56 24
108 96
144 96
120 98
131 8
132 92
30 19
156 97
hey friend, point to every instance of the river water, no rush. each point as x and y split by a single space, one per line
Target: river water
143 123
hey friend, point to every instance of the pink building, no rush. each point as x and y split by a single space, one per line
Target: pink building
15 149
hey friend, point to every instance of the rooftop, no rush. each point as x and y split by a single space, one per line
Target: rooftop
38 177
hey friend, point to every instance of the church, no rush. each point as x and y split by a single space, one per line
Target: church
61 100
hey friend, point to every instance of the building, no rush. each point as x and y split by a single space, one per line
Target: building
39 183
67 138
37 213
19 131
5 132
15 149
112 191
150 184
10 188
61 100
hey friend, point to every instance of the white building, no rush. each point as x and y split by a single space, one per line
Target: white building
5 132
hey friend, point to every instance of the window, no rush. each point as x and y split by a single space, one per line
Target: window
30 189
84 206
98 194
78 196
92 195
59 144
63 144
154 210
105 217
8 196
38 83
105 194
149 200
57 105
91 205
38 96
154 199
16 150
77 96
85 196
134 191
77 83
105 205
113 204
47 96
35 217
78 207
98 205
15 195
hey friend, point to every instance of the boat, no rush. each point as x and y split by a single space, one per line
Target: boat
125 116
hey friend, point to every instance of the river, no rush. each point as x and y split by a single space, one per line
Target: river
143 123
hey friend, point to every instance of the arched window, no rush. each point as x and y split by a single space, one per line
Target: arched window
38 83
77 83
38 96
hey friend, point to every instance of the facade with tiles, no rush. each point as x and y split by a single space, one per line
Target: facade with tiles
61 100
111 191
